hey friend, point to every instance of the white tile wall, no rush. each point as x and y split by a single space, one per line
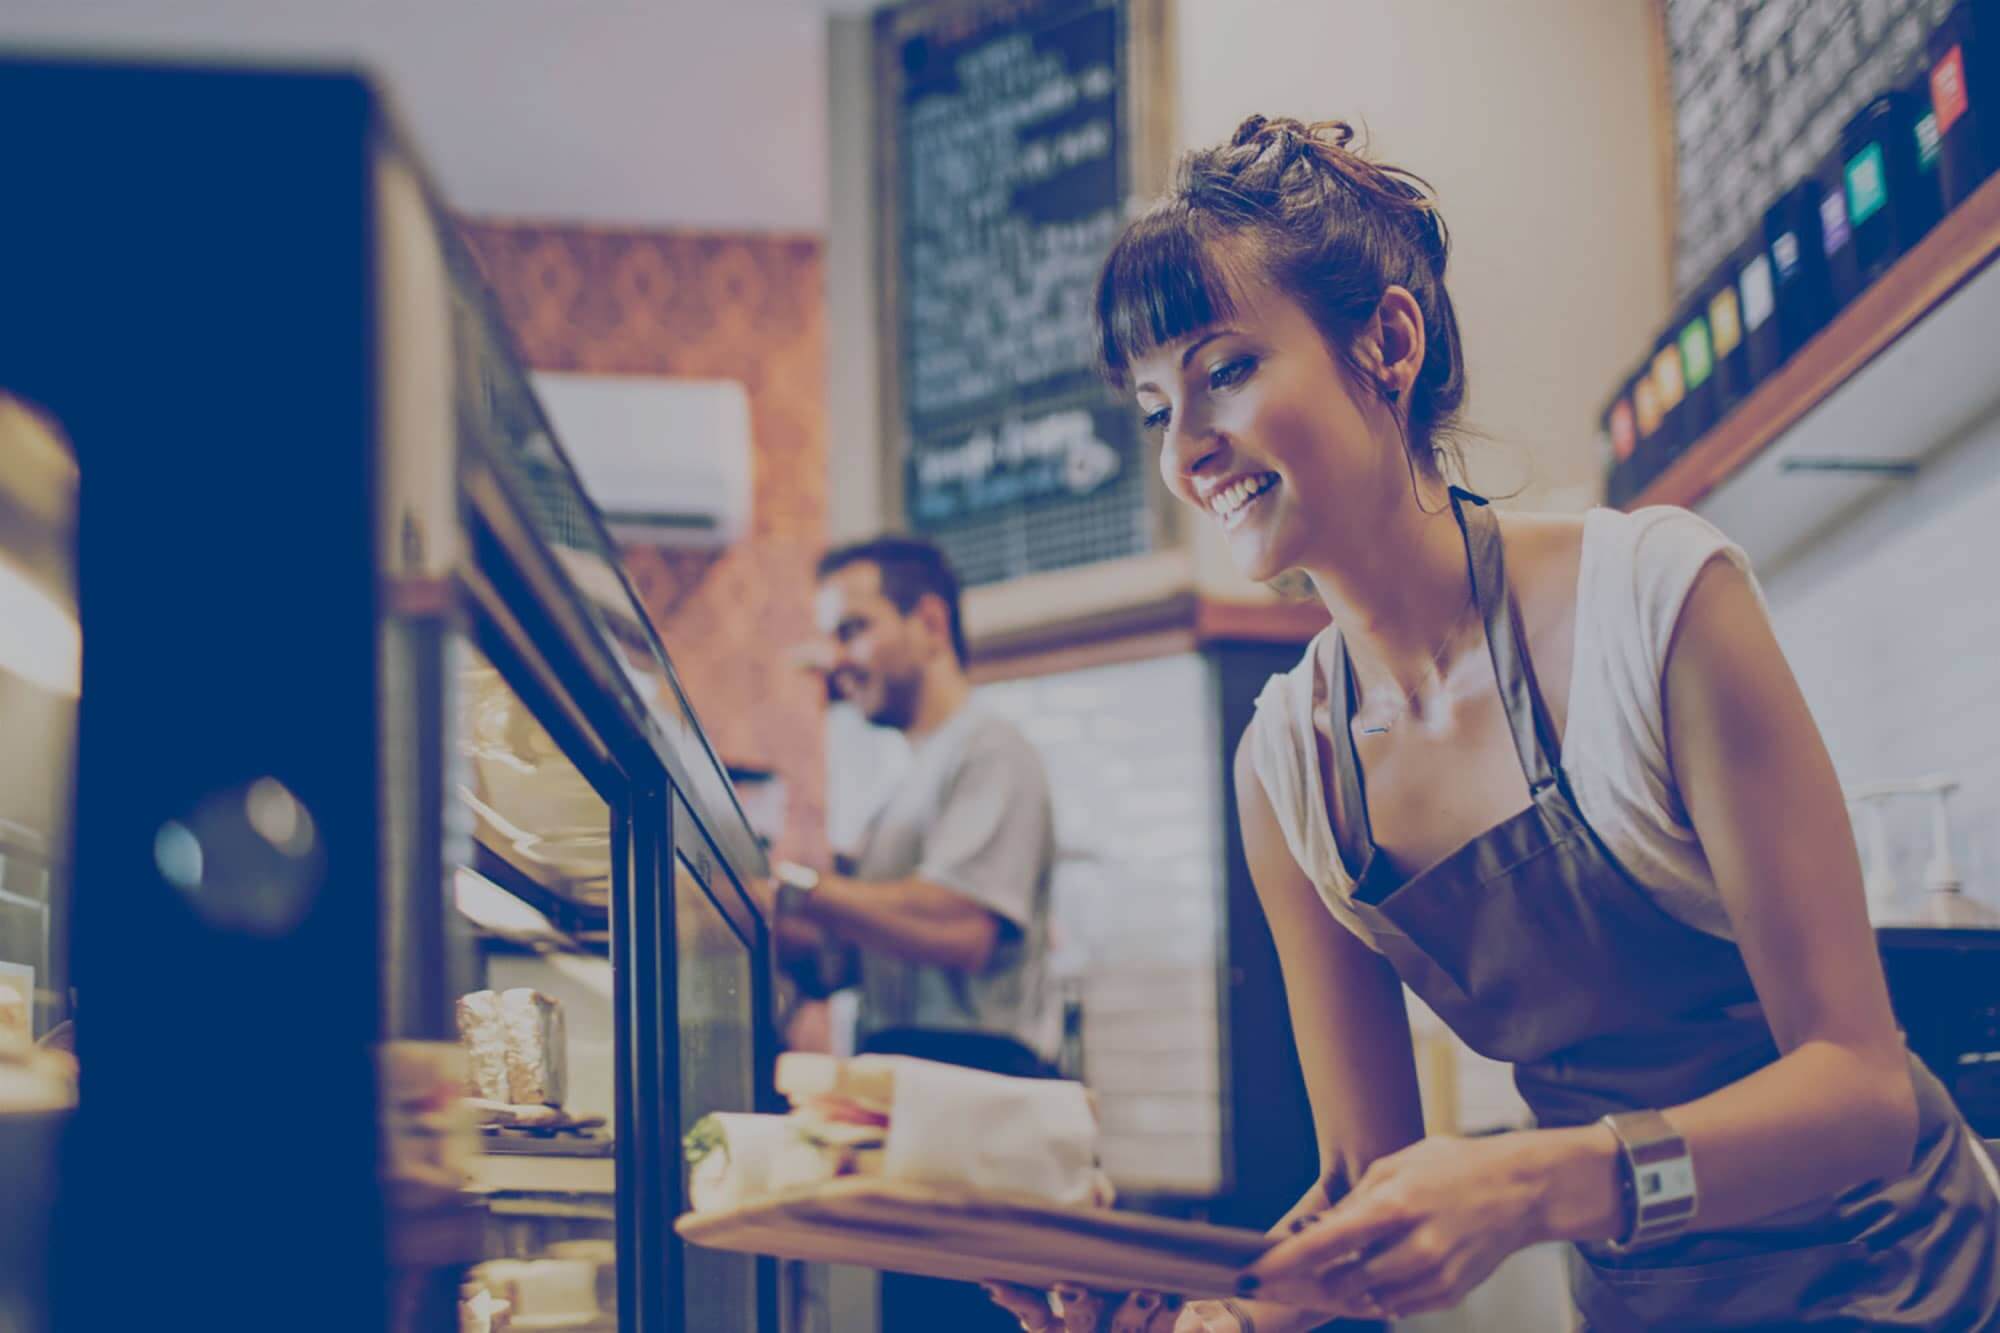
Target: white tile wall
1892 624
1135 763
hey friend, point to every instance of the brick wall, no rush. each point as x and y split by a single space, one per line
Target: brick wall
1761 89
1136 768
707 305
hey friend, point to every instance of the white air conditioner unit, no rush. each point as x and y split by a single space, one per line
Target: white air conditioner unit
667 461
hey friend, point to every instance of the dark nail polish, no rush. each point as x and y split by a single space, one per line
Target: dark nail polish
1247 1283
1174 1302
1145 1300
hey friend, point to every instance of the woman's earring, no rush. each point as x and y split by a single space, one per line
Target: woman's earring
1392 395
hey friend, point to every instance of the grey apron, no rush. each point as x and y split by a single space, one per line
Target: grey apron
1537 948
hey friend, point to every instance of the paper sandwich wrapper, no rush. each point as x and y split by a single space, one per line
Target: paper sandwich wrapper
951 1127
991 1134
757 1156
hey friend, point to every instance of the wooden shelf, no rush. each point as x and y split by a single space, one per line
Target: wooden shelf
1956 251
1182 623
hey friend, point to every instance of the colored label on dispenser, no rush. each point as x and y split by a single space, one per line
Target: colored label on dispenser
1948 96
1646 405
1725 321
1930 141
1697 356
1867 186
1785 251
1759 298
1667 378
1833 226
1624 431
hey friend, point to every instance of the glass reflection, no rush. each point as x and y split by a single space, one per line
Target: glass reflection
530 1088
499 408
40 656
716 1040
538 1031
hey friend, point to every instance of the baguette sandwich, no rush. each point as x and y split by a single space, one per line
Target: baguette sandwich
908 1119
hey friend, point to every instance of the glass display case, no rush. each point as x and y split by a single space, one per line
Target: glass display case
371 910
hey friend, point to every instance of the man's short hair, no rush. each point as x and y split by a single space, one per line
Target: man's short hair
910 568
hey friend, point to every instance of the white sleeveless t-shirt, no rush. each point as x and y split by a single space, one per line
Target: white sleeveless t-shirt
1635 575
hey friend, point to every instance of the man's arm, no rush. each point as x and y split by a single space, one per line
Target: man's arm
909 918
984 857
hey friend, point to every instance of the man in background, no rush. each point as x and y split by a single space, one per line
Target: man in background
946 908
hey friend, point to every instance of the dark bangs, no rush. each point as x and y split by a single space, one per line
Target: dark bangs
1161 283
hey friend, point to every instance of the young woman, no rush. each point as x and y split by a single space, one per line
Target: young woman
1554 775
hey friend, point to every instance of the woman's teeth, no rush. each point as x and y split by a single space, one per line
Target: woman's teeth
1232 499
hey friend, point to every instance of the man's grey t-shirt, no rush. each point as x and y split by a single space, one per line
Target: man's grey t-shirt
971 813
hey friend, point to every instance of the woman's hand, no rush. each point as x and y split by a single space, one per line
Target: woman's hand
1422 1228
1075 1310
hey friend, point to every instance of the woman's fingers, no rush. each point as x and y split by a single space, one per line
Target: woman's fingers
1205 1317
1361 1223
1147 1312
1082 1310
1027 1305
1416 1259
1423 1296
1073 1309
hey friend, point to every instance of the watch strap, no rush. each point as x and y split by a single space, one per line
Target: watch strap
1657 1172
795 885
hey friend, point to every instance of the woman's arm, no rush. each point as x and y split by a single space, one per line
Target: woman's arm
1837 1109
1353 1037
1348 1020
1345 1002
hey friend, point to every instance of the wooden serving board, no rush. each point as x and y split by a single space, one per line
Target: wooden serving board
908 1228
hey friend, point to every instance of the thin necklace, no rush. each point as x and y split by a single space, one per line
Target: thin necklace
1437 665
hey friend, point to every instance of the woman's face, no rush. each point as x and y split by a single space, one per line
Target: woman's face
1261 430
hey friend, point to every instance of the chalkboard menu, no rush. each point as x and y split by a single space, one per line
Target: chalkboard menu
1760 91
1010 146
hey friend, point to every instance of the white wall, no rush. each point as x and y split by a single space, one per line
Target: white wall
690 113
1892 624
1536 122
854 506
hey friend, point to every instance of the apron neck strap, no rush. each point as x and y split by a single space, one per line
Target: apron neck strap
1534 735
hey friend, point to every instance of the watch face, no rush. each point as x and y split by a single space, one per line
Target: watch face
1669 1180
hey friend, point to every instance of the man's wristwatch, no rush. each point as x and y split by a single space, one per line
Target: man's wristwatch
1656 1173
795 884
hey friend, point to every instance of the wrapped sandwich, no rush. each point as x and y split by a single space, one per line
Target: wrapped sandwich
903 1119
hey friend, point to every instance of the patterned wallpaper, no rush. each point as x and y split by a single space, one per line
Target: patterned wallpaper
714 306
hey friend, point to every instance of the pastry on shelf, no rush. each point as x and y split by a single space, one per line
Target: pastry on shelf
516 1047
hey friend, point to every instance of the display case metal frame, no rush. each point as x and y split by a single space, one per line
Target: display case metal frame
273 568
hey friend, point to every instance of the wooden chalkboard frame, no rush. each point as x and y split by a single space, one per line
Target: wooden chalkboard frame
1146 159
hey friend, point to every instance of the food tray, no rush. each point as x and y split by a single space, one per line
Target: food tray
904 1227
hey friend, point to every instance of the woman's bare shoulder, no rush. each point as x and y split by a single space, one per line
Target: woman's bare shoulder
1544 551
